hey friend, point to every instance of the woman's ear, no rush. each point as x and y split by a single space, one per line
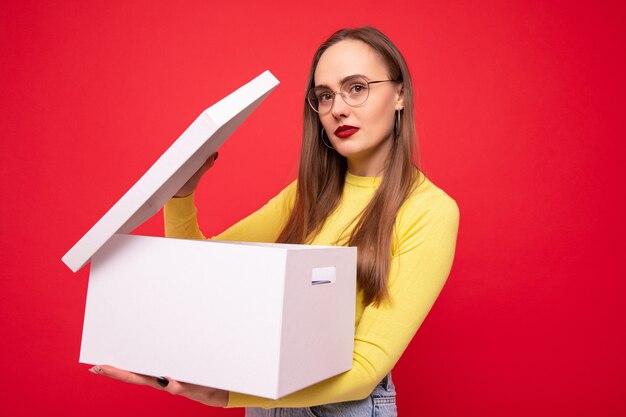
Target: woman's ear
400 97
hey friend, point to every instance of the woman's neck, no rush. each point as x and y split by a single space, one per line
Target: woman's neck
372 164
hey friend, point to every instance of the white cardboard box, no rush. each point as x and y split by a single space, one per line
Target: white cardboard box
256 318
240 317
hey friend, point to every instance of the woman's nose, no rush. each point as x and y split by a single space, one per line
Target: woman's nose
339 107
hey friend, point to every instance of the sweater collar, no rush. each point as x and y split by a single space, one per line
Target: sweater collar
363 182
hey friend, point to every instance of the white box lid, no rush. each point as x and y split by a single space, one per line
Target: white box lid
173 169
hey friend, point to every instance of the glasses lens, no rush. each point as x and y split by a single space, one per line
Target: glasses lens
320 99
312 99
355 91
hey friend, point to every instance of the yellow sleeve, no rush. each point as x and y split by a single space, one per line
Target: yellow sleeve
423 250
264 225
180 218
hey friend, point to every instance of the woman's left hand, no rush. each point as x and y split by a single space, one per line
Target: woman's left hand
205 395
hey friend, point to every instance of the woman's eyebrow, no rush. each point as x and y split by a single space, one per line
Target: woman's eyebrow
343 80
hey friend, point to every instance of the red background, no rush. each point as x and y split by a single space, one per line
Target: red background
517 111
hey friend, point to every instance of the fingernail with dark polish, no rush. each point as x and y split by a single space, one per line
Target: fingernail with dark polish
162 381
216 155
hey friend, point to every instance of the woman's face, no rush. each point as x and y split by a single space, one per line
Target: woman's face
366 147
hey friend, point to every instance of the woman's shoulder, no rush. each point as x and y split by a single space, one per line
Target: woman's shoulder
427 200
289 192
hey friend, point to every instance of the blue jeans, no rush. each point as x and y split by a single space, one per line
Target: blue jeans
380 403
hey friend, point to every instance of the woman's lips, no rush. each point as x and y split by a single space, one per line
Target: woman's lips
346 131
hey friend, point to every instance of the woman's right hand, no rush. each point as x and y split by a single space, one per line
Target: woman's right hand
190 186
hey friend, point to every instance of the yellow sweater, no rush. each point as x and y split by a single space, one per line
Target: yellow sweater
422 251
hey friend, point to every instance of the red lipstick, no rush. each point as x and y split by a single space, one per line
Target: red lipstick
346 131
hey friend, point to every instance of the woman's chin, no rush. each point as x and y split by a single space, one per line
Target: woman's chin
347 149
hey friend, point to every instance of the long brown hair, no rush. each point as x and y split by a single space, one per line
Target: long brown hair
322 173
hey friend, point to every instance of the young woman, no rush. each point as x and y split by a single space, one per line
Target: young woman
358 185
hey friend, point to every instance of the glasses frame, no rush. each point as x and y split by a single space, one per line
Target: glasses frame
334 93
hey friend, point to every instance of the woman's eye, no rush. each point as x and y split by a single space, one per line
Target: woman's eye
325 96
357 88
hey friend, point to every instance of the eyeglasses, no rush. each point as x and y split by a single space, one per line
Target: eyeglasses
354 91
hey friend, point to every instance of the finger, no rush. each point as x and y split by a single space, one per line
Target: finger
179 388
172 386
206 166
211 160
194 392
125 376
